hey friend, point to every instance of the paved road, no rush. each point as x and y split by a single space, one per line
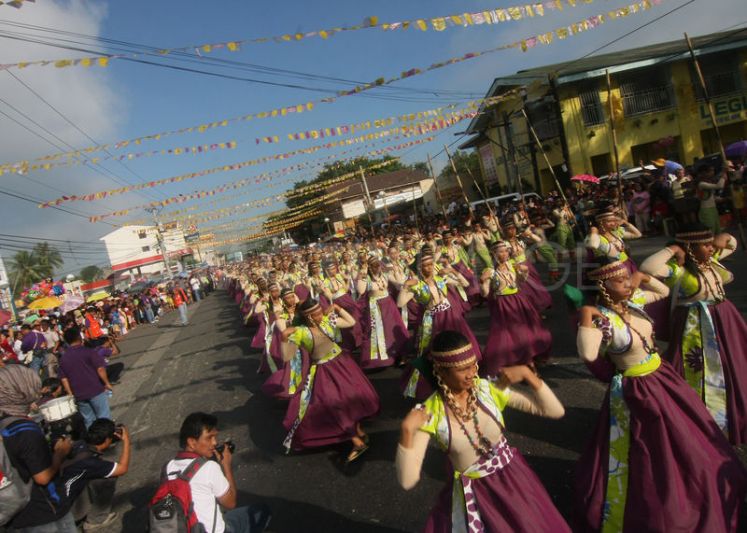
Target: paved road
170 371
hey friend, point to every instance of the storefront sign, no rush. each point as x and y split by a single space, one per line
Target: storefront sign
728 109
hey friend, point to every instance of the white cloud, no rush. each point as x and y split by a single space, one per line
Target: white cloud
87 98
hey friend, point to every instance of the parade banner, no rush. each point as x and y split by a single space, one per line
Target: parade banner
23 167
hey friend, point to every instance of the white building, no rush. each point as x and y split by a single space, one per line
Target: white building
134 251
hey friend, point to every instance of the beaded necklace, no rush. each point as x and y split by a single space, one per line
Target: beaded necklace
719 294
482 445
622 311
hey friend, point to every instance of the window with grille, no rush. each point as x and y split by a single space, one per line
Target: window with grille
646 90
591 105
141 234
720 72
146 248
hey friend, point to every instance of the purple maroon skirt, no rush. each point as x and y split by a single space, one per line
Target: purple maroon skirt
535 289
731 334
510 499
395 332
258 341
276 386
684 475
275 351
341 397
351 337
517 335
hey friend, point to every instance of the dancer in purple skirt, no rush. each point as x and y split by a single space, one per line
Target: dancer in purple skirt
336 288
517 335
269 307
385 335
708 344
431 291
336 395
493 489
538 294
657 461
287 380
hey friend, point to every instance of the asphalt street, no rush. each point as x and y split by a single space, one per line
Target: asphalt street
168 371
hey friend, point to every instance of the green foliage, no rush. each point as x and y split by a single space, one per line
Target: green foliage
466 163
91 273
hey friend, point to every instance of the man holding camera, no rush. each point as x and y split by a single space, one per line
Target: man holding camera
214 484
89 480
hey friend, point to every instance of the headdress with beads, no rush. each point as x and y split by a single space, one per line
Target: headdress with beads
609 271
458 357
694 237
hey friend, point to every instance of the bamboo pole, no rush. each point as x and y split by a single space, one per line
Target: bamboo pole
458 178
712 114
438 191
613 133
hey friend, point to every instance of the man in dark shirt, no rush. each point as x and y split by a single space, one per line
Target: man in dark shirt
30 455
83 374
89 479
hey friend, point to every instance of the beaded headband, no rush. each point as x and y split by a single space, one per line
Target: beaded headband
273 285
310 310
608 271
285 292
464 356
372 260
694 237
498 244
605 214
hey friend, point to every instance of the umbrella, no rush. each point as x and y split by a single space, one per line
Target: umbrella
585 177
737 149
96 296
5 317
70 303
48 302
31 319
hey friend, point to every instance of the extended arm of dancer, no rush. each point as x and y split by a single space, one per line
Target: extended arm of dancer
726 244
656 264
653 289
405 294
542 401
361 284
485 282
588 338
630 231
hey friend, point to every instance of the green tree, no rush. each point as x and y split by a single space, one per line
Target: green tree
48 257
421 166
330 171
91 273
24 269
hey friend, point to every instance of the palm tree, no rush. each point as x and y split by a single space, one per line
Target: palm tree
91 273
49 258
25 270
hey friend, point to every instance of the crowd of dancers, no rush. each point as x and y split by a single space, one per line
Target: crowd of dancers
661 455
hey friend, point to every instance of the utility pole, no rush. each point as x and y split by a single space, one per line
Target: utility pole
368 198
459 179
161 242
438 191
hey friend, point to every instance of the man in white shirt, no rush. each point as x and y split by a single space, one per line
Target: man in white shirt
214 484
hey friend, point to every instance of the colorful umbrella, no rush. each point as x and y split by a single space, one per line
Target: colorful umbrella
585 177
71 302
737 149
96 296
31 319
48 302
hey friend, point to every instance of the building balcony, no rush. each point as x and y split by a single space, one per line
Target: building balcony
719 84
649 100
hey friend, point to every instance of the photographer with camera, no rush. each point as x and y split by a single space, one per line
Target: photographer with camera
207 467
88 479
30 500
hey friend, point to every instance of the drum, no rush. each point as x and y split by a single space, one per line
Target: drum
58 409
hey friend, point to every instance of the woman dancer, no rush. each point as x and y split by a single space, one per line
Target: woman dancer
608 240
493 488
459 260
430 291
336 395
517 335
657 461
269 307
384 334
336 288
709 337
286 381
538 294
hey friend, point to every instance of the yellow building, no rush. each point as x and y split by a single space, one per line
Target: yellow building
657 105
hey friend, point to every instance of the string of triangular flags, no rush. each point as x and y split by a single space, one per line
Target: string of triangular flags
461 20
547 38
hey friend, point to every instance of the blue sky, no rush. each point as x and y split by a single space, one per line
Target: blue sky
127 100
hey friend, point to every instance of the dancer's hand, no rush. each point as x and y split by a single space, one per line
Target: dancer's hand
587 314
414 420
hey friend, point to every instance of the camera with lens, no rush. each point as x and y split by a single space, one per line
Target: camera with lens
117 433
228 444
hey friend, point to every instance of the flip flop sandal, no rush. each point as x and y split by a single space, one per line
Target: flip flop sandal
356 453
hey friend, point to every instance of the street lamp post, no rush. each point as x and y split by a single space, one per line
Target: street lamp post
329 228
